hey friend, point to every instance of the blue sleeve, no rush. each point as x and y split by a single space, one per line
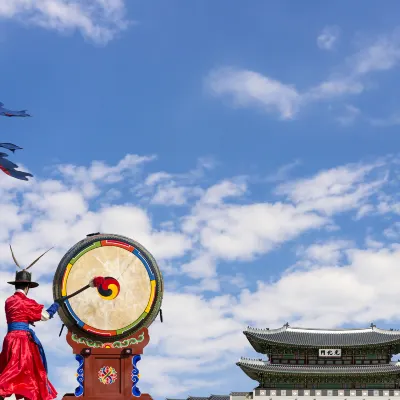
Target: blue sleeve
53 309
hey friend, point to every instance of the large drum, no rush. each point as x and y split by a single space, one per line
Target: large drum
130 298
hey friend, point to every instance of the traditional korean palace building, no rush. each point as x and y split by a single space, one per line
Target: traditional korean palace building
321 363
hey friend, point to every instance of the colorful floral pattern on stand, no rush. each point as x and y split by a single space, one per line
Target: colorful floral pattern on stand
107 375
79 375
135 375
114 345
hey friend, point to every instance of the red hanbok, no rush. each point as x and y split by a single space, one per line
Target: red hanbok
22 372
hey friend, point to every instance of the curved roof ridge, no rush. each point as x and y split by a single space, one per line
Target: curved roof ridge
252 361
387 331
321 330
257 360
331 331
322 338
265 330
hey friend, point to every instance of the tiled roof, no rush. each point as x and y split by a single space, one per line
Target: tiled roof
212 397
321 337
197 398
251 365
219 397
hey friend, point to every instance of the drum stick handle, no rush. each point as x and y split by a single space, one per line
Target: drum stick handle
161 317
62 328
62 299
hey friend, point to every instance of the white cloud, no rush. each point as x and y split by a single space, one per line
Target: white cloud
67 378
86 178
162 188
248 88
157 177
328 37
97 20
363 284
225 189
393 232
12 218
332 88
335 190
282 173
240 232
350 114
392 120
202 329
172 194
364 297
328 253
203 266
364 210
380 54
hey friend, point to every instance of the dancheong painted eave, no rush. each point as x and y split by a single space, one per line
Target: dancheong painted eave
320 338
254 367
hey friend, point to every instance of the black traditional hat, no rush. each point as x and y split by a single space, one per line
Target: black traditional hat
24 276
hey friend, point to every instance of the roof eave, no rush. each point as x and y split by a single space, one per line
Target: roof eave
256 342
250 370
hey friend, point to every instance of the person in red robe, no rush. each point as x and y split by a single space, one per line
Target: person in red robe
23 365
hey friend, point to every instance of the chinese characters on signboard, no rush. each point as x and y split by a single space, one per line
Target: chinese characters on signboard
330 352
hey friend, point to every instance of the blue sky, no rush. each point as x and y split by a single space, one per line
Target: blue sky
252 148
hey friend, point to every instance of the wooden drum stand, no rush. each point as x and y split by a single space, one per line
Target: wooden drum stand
108 370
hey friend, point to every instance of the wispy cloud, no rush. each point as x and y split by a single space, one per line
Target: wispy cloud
389 121
245 88
328 37
381 54
248 88
98 20
349 115
221 226
164 188
283 172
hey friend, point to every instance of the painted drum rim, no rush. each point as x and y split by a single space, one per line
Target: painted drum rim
68 316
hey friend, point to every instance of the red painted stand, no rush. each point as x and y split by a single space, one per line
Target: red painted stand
109 355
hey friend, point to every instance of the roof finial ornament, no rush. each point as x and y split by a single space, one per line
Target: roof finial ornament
372 325
286 325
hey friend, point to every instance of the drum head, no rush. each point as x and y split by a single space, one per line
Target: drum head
129 299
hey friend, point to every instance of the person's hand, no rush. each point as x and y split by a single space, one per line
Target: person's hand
53 309
97 281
